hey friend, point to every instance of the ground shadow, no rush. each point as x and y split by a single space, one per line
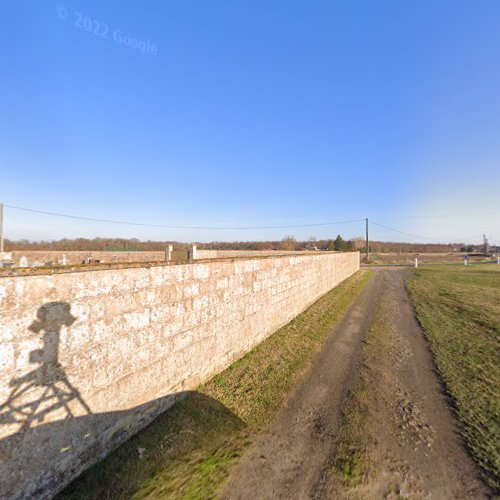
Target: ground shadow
105 449
166 456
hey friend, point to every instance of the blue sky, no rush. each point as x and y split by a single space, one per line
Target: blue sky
251 114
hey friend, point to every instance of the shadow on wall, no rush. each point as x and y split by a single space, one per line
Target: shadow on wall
52 434
45 389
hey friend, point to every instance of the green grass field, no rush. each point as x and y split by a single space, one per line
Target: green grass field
459 308
187 451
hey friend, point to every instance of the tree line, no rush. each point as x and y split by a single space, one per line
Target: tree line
288 242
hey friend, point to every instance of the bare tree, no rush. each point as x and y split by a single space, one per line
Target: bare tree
289 243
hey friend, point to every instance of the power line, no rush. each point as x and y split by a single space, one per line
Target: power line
403 232
413 235
170 226
110 221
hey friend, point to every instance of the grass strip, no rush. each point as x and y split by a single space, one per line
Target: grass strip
459 309
187 452
351 462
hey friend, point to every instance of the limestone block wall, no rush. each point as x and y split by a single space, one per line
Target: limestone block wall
226 254
87 359
76 257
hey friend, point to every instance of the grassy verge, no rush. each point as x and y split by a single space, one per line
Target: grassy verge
351 462
459 309
187 451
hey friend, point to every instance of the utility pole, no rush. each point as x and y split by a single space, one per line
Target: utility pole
367 248
1 230
486 246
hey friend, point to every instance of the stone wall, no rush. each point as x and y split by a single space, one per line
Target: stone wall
227 254
76 257
87 359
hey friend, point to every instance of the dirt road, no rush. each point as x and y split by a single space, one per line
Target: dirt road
412 446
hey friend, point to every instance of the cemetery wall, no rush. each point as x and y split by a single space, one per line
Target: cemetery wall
77 257
90 358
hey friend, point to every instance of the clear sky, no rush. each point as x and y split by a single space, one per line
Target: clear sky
251 113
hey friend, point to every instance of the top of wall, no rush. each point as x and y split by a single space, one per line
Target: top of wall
37 271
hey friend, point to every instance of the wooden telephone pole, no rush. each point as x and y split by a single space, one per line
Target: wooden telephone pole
367 244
